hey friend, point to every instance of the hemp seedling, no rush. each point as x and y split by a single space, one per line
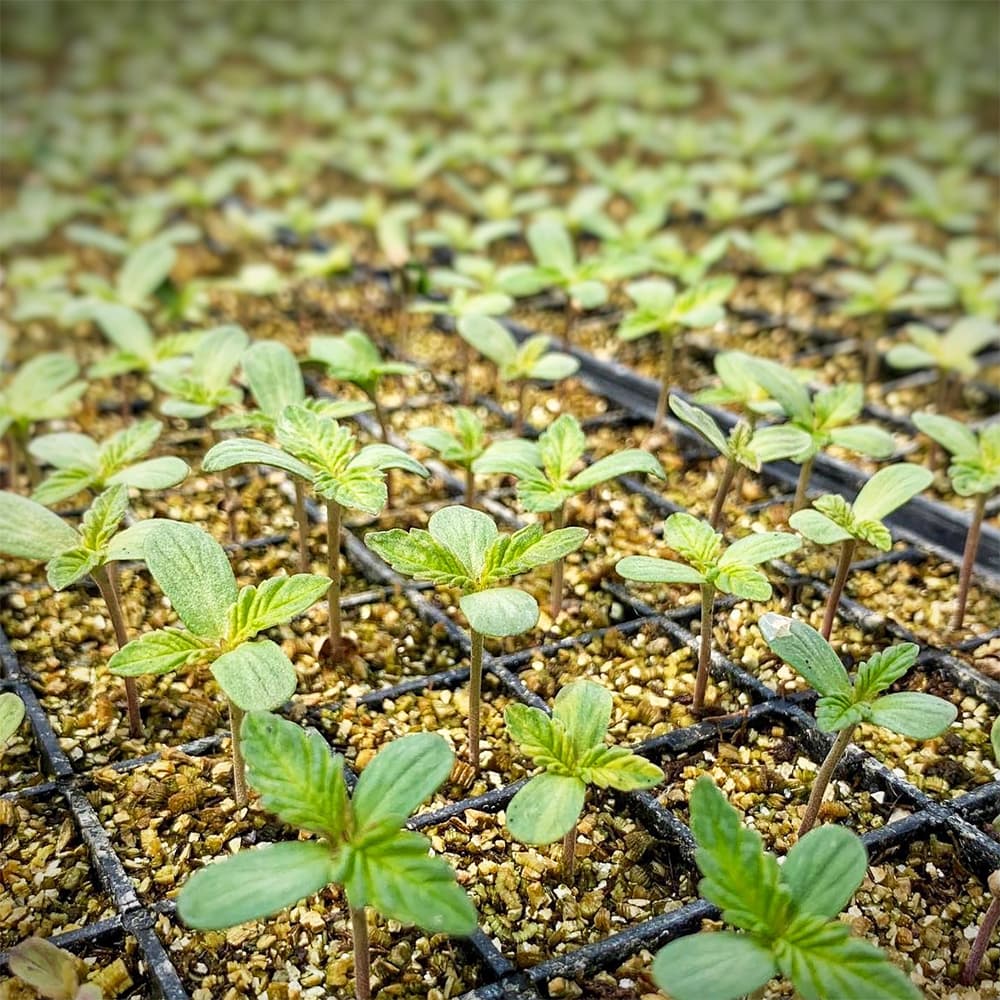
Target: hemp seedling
570 746
660 308
362 844
321 452
846 702
827 417
42 389
833 520
50 971
738 388
462 448
11 715
974 472
546 485
786 255
462 548
222 622
951 354
352 357
731 571
786 914
516 362
207 383
275 380
81 463
743 448
30 531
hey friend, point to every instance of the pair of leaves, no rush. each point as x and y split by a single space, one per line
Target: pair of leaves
463 548
365 847
570 745
744 445
954 350
136 348
975 466
193 572
463 447
206 383
834 520
544 471
843 703
786 915
352 357
661 308
42 389
737 386
731 570
82 464
531 359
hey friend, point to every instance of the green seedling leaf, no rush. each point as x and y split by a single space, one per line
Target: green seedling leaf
529 360
47 969
975 469
880 671
159 652
246 451
911 713
995 738
801 646
275 601
889 489
500 611
256 676
11 715
718 966
824 869
584 711
41 389
29 531
649 569
546 808
352 357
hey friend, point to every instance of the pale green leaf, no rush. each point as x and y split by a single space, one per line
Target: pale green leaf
701 422
65 449
546 808
889 489
415 553
66 568
385 456
273 374
818 527
553 366
759 547
693 538
880 671
958 439
649 569
500 612
246 451
802 647
30 531
45 967
618 767
713 966
11 715
537 737
63 484
584 709
158 652
144 270
488 337
624 463
824 869
256 676
274 602
153 474
865 439
914 714
466 533
552 245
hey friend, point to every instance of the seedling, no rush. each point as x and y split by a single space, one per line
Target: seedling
207 382
786 915
846 702
457 233
827 417
275 380
875 296
951 354
546 485
143 271
744 447
531 360
832 520
974 472
50 971
352 357
30 531
11 715
81 463
659 308
42 389
570 747
732 570
317 450
361 846
964 277
786 255
462 448
669 255
222 623
738 388
462 548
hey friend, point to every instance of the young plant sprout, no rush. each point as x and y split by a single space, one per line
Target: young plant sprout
462 448
462 548
455 232
275 380
974 472
31 531
143 271
206 383
570 747
827 417
317 450
546 485
42 389
660 308
50 971
951 354
786 915
352 357
732 570
222 623
361 843
846 702
516 363
738 388
833 520
81 463
786 255
744 447
963 278
11 715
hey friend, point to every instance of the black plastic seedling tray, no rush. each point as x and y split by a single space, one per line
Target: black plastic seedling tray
633 398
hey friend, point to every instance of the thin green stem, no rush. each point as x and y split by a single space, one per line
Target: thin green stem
302 520
725 483
847 548
236 746
362 954
334 513
802 488
475 689
705 650
822 779
106 577
519 415
470 487
969 561
569 854
558 569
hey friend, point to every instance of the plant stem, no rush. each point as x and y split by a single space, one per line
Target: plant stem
571 317
666 376
362 955
236 744
465 360
522 392
725 483
333 517
569 854
705 650
805 474
106 577
823 777
558 568
12 463
871 350
125 403
384 431
982 941
470 487
302 520
230 497
847 548
475 687
968 560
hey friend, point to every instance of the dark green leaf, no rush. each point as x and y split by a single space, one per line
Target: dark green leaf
719 966
158 652
545 809
824 869
801 646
